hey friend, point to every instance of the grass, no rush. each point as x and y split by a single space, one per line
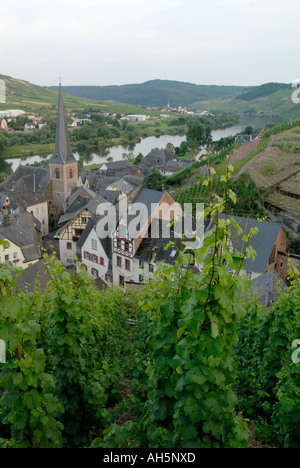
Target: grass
33 149
238 165
91 167
43 101
278 105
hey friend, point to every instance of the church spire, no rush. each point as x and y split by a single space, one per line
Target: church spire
62 152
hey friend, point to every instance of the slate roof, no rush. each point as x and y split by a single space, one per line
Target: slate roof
27 280
267 287
78 198
21 232
127 184
91 205
156 246
263 242
26 199
28 179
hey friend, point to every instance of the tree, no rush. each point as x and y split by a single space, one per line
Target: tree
198 135
155 180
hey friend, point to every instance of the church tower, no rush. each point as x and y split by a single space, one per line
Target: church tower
63 165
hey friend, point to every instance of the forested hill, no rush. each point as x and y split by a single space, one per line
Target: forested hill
154 93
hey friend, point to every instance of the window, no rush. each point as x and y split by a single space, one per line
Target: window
71 174
95 258
118 244
86 255
249 274
15 255
94 244
127 265
6 258
94 272
141 264
56 174
151 268
85 220
127 246
108 278
101 260
119 262
121 280
141 278
69 245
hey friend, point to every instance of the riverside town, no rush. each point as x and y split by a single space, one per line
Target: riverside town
149 228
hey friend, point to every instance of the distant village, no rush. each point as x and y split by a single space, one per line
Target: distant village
55 208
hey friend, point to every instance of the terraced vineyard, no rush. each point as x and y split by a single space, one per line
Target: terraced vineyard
276 172
291 186
283 202
273 167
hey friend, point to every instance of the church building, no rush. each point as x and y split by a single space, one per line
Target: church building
63 164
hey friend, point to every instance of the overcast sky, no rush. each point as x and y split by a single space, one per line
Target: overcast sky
97 42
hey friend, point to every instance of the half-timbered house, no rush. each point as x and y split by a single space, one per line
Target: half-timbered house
75 224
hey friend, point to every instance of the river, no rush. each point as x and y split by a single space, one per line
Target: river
91 156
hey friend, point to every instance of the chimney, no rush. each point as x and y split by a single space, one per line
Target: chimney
6 218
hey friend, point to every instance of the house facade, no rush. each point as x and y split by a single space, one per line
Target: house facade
95 253
3 124
126 267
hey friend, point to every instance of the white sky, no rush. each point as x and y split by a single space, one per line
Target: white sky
97 42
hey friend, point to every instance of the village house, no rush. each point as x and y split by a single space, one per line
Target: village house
29 126
95 253
269 240
155 205
18 232
3 124
35 204
73 225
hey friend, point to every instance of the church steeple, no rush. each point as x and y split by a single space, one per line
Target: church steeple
62 164
62 152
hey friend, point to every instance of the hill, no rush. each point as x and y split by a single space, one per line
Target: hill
273 99
155 93
41 100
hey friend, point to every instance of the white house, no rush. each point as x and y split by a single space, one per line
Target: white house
125 266
22 248
94 252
